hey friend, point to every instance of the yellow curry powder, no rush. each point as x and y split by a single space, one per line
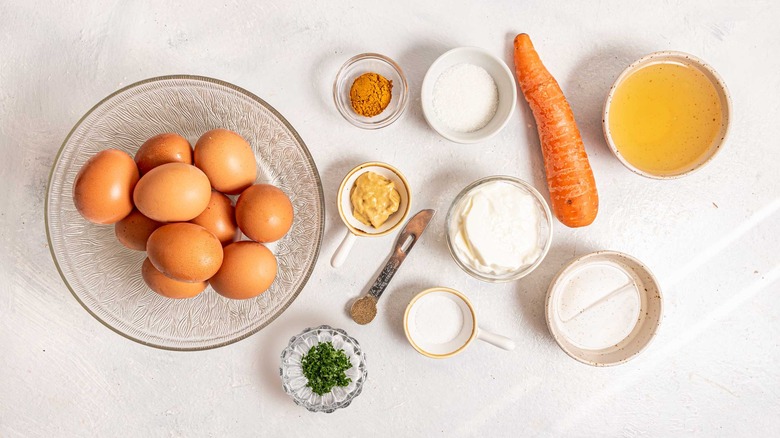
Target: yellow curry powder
370 94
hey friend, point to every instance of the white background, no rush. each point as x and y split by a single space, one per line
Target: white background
711 238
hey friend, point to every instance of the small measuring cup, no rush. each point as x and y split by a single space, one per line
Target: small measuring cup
451 340
355 228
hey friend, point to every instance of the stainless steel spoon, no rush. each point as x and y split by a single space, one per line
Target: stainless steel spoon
363 310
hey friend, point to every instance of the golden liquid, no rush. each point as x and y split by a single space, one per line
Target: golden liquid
665 117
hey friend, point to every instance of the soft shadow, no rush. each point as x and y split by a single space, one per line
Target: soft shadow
372 279
509 52
415 63
440 190
532 290
323 74
331 181
535 163
588 84
394 304
275 338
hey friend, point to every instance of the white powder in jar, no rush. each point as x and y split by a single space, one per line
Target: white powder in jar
465 98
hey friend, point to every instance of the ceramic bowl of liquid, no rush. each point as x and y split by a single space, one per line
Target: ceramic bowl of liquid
667 115
604 308
468 95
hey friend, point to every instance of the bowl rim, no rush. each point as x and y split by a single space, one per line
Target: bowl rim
250 95
428 81
552 291
349 116
685 58
540 200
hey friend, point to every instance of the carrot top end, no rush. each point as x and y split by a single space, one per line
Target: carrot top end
523 41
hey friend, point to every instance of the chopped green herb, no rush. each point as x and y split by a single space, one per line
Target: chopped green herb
324 367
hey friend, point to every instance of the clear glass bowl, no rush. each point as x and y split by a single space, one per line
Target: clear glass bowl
366 63
545 232
294 382
105 277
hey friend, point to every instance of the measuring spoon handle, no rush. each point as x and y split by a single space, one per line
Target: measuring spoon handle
384 277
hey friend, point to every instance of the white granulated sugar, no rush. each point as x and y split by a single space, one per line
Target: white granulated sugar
465 98
439 319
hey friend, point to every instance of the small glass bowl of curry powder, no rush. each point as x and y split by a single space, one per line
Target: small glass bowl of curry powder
362 88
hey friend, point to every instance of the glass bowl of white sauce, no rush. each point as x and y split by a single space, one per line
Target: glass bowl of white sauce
499 229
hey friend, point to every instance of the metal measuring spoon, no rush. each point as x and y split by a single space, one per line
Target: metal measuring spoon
363 310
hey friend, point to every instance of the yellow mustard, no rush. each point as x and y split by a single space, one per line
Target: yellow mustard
374 199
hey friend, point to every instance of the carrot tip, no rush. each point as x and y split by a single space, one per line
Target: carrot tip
523 41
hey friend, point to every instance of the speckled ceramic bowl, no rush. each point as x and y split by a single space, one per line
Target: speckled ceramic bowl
676 58
294 382
604 308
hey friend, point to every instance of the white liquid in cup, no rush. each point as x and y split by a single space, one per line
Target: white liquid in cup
440 323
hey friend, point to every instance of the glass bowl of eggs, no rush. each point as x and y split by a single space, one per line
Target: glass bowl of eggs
114 281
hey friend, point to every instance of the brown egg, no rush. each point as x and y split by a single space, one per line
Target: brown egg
103 189
161 149
185 252
227 159
264 213
172 192
248 270
167 287
134 230
219 218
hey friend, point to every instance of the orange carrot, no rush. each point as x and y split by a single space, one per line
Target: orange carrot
573 195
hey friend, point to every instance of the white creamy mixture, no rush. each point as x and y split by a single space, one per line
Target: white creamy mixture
438 319
465 98
496 229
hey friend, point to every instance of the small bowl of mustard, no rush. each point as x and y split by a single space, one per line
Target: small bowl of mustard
377 215
371 91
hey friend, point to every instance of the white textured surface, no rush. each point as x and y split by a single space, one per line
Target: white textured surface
711 238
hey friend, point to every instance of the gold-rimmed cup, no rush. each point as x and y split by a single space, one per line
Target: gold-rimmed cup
462 337
355 228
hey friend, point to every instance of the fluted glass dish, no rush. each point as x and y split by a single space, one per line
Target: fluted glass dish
104 276
294 382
